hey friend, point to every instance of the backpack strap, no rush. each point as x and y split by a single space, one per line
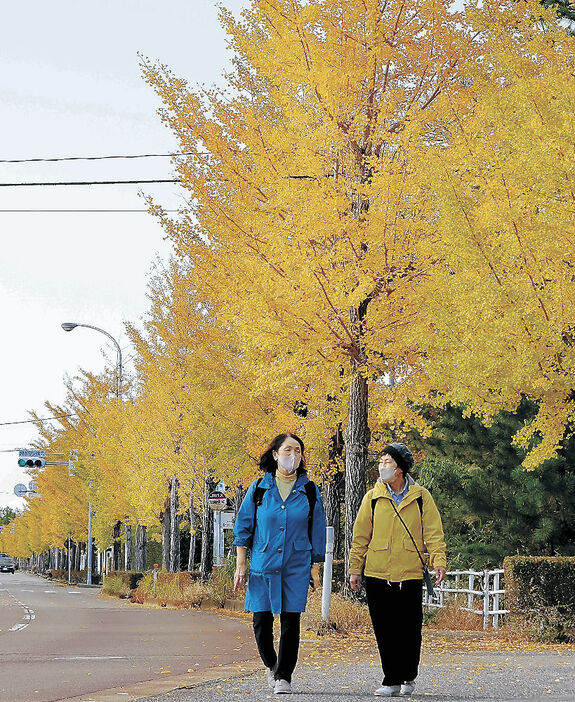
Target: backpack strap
258 493
311 493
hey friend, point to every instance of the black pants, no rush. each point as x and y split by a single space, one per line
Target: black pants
282 663
397 617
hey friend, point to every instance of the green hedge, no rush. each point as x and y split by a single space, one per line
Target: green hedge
540 596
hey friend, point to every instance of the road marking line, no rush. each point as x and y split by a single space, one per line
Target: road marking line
91 658
28 615
18 627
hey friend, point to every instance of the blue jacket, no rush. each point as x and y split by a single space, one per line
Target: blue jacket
281 553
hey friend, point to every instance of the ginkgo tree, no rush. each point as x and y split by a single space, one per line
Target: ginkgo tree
501 313
309 204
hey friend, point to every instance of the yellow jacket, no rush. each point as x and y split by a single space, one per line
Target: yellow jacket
384 549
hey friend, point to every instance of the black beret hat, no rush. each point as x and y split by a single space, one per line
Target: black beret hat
401 455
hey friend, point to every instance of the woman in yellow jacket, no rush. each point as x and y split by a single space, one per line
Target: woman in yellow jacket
383 549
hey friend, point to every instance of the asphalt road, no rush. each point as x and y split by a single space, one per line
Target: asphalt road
59 643
443 678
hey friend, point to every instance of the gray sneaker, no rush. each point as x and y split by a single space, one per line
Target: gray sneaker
271 681
387 691
282 687
408 687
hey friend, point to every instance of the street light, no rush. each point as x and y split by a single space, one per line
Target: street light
68 326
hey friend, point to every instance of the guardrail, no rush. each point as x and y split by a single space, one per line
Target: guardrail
484 585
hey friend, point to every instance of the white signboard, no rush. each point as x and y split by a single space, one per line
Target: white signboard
228 518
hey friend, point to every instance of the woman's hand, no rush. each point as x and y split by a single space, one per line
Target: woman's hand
315 577
355 582
240 576
439 575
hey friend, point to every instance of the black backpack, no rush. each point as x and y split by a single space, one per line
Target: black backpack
311 495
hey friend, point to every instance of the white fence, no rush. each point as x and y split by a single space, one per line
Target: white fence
471 588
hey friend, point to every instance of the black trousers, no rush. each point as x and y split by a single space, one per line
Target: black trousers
283 662
397 616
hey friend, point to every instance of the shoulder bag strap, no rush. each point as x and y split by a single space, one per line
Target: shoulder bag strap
426 576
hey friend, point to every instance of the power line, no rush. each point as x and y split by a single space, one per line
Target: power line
90 158
88 182
81 210
37 421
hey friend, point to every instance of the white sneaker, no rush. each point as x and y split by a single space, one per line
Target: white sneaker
408 687
271 681
282 687
388 690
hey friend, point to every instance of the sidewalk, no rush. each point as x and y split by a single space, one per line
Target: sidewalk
448 677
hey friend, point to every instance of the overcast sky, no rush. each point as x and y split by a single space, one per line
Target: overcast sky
70 85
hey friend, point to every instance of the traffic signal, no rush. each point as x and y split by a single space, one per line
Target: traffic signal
32 462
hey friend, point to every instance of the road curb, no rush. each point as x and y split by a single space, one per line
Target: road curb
149 688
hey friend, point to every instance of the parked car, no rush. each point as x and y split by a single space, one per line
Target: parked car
7 564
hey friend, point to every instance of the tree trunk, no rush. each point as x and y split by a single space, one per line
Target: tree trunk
140 551
117 547
77 554
332 503
166 519
192 516
207 561
128 548
334 490
357 436
174 527
238 498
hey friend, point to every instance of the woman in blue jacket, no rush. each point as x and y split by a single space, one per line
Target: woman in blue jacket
282 521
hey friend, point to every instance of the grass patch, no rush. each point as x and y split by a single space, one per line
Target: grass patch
345 615
116 586
453 618
171 590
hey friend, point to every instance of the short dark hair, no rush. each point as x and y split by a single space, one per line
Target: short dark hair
267 462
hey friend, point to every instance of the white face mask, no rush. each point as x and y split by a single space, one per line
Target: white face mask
288 464
386 474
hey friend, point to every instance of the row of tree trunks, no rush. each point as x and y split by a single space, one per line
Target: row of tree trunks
128 548
170 520
192 517
140 550
165 521
57 558
117 547
175 518
207 560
